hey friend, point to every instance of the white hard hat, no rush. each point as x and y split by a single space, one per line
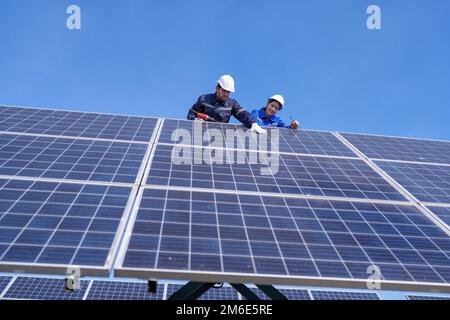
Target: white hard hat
226 82
278 98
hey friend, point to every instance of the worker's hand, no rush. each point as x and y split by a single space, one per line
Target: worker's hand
294 124
258 129
202 116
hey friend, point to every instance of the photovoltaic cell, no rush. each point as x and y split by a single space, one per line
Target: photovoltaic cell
62 158
27 288
406 149
342 295
58 223
114 290
246 234
428 183
442 212
420 297
292 174
224 293
76 124
290 141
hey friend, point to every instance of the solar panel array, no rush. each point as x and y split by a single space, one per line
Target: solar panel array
251 234
327 213
39 288
67 183
85 188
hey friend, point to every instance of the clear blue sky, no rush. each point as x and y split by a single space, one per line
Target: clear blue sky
156 57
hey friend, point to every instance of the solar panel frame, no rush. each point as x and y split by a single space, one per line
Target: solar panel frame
234 277
59 268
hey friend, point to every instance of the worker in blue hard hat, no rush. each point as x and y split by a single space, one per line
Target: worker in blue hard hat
219 107
266 116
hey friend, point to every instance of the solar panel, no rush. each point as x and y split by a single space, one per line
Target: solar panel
281 238
62 158
296 294
442 212
76 124
343 295
68 184
4 281
405 149
305 175
290 141
420 297
51 223
290 294
29 288
114 290
428 183
224 293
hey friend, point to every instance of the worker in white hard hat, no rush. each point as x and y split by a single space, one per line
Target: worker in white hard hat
266 116
219 107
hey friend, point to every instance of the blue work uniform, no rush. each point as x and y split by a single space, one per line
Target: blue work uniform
273 121
221 111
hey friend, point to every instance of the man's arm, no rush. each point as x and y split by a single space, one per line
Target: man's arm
196 108
242 115
281 124
256 118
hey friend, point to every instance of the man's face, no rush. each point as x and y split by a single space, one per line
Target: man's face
272 107
222 94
